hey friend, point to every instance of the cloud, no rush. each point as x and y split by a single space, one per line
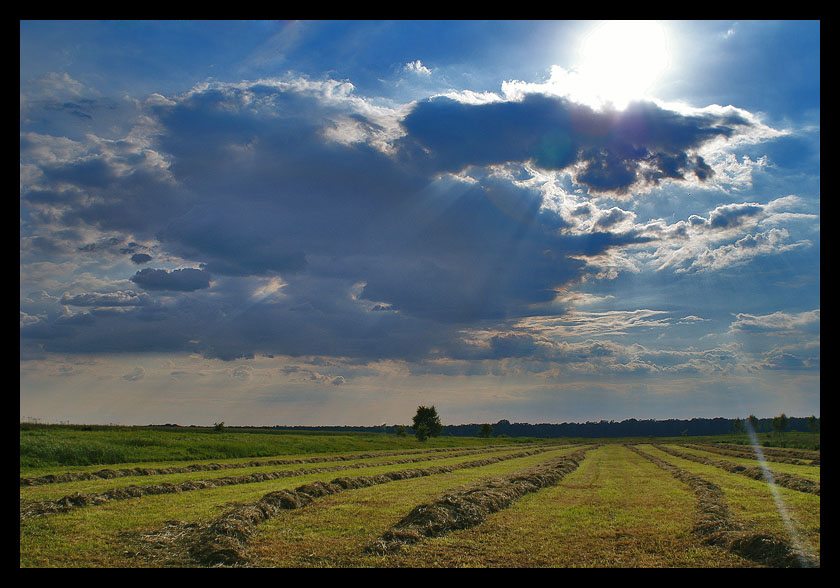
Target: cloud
606 150
181 280
417 67
123 298
309 375
727 216
771 242
242 372
135 375
777 323
330 226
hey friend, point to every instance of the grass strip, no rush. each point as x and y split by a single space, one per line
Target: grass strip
716 526
31 509
109 474
470 506
747 454
775 451
222 541
790 481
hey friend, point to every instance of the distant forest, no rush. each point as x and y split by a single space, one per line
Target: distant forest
603 429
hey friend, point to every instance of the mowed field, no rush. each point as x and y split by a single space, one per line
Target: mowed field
458 503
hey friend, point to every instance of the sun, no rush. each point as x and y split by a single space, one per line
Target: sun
621 61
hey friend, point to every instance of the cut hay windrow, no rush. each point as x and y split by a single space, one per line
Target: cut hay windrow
223 540
747 454
31 509
789 481
470 506
813 455
715 525
109 474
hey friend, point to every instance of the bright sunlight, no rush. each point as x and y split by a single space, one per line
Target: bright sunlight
622 60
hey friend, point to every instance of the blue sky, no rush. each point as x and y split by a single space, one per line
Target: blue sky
331 223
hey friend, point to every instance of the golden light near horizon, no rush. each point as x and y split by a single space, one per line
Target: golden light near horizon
622 60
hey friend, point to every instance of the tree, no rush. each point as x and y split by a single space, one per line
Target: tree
780 423
219 426
813 424
485 431
400 431
421 431
753 423
738 426
427 416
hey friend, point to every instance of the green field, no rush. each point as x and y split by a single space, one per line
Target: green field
182 497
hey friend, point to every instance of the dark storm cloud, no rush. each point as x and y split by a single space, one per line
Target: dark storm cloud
254 189
615 150
180 280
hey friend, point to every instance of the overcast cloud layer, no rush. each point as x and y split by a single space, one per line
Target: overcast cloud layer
312 246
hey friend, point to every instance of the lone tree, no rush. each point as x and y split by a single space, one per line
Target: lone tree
738 426
426 423
486 431
813 424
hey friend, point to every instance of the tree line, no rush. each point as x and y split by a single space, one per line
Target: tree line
427 422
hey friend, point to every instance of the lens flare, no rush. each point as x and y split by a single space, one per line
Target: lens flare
774 490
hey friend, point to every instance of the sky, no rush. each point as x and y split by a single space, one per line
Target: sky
334 222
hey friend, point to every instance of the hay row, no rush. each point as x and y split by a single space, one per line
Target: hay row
715 525
223 540
790 481
471 505
746 454
31 509
108 474
777 451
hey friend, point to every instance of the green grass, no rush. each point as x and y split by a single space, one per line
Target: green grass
616 510
43 448
804 471
753 503
57 491
93 536
335 531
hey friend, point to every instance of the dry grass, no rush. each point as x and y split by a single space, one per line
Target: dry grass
615 510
